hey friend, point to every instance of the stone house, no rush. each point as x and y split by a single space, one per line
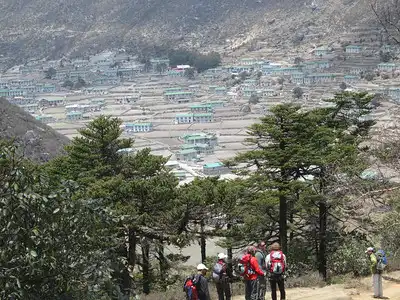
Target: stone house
351 79
194 118
74 115
387 67
138 127
321 51
179 97
215 169
352 49
201 138
187 154
201 108
45 118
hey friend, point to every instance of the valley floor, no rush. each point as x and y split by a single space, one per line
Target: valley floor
357 291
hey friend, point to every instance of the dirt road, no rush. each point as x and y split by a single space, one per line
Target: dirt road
361 290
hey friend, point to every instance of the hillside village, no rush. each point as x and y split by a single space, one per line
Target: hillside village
201 121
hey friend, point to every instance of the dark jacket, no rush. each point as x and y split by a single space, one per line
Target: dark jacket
202 287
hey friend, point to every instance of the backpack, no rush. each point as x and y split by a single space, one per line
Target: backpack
262 264
244 266
189 287
217 272
277 263
381 260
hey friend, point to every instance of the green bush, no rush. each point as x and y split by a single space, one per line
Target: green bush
350 258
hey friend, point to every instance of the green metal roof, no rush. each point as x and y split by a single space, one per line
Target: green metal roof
138 124
74 113
173 89
213 165
203 115
201 106
178 93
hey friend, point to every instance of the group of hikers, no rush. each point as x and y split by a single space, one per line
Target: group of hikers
256 267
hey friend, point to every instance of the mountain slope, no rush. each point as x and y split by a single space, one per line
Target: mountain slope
38 141
52 27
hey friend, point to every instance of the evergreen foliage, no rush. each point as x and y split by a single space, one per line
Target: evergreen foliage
94 224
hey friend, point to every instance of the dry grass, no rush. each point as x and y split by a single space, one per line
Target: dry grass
307 280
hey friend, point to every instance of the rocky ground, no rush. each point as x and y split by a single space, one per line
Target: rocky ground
46 28
36 140
353 290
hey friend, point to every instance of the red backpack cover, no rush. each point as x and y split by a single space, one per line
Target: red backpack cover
190 288
277 263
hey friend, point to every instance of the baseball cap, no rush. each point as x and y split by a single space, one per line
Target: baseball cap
221 256
201 267
370 249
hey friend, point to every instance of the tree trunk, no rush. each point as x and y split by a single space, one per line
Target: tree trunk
146 267
132 248
322 239
229 250
202 242
163 265
283 222
123 277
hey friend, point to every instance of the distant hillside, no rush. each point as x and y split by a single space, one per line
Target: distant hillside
38 141
53 27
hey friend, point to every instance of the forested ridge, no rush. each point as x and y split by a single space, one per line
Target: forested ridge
95 223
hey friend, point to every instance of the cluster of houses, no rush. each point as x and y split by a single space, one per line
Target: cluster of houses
27 87
196 145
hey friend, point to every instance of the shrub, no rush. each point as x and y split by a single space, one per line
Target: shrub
350 258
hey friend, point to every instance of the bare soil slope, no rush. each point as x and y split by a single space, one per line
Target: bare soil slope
37 140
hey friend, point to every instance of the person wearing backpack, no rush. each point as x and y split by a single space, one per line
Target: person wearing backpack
276 265
221 278
261 256
189 287
251 273
376 272
202 283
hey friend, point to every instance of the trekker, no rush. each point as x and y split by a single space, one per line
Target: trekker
201 283
222 278
261 255
251 274
276 265
376 274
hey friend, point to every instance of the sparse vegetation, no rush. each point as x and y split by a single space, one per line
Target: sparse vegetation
385 56
369 76
254 99
298 92
50 73
200 62
189 73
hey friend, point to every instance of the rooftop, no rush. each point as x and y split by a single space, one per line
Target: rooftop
178 93
213 165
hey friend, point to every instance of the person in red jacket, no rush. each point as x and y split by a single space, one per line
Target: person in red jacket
252 274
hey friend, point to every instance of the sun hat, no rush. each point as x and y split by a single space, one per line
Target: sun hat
370 249
201 267
221 256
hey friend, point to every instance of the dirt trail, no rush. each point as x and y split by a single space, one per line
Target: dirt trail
358 291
